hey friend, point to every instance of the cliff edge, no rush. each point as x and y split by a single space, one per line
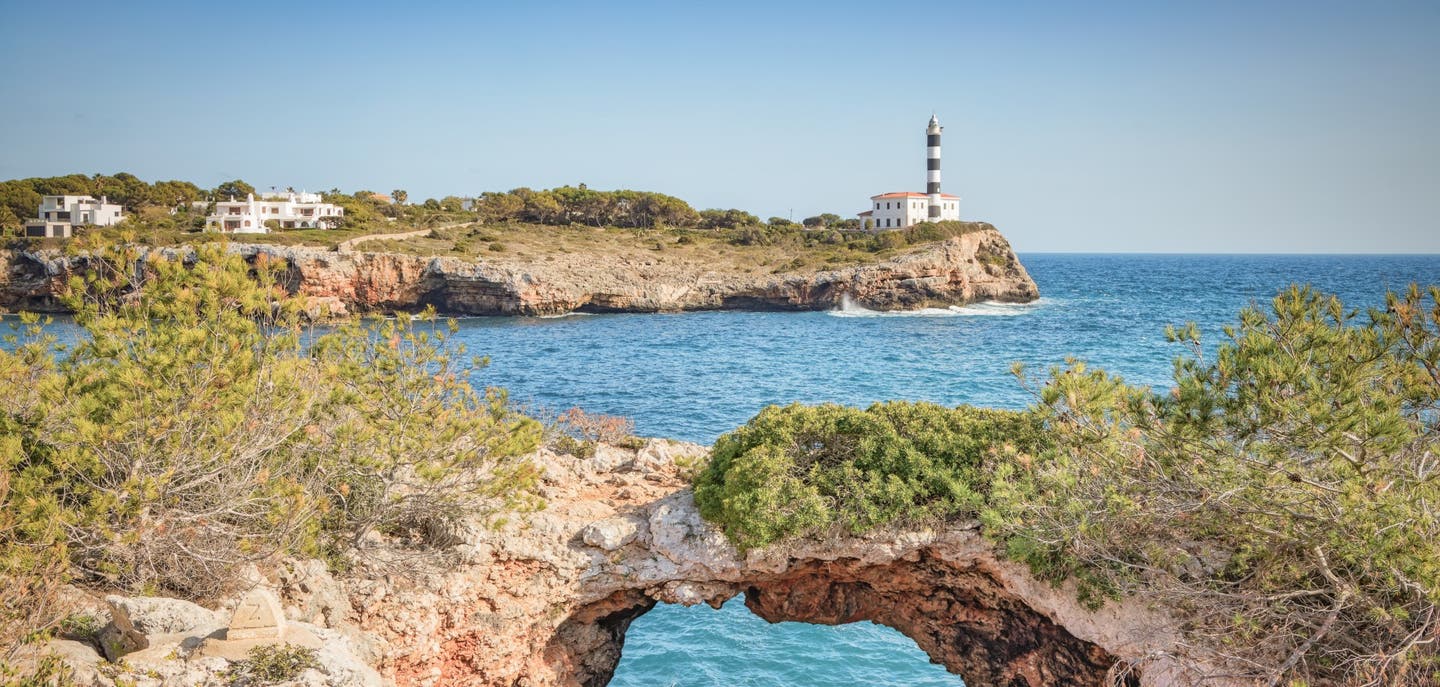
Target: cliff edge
977 266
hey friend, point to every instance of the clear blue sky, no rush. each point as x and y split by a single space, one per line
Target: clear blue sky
1214 127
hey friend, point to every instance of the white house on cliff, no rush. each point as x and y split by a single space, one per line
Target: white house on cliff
59 215
904 208
289 210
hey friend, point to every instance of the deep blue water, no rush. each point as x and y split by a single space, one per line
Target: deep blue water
695 376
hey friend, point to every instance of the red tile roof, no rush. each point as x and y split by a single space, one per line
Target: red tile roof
907 194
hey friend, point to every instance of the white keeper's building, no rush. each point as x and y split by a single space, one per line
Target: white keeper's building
904 208
289 210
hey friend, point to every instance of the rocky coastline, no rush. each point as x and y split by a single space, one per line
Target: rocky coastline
547 599
978 266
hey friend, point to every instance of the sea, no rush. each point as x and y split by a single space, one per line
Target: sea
695 376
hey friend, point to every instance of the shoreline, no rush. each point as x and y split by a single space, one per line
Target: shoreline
974 267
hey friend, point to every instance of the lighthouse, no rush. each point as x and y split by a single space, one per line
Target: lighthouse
932 166
901 209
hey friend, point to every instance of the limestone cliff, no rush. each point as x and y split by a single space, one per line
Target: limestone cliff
547 600
974 267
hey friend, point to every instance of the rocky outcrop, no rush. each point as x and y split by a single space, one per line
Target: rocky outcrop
159 642
977 266
547 600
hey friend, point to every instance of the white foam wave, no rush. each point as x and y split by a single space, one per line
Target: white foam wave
849 308
572 313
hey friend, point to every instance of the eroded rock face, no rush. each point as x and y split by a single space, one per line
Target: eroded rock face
974 267
957 612
548 601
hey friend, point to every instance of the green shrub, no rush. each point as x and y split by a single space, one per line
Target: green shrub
993 259
1283 497
799 470
270 664
200 425
45 671
82 627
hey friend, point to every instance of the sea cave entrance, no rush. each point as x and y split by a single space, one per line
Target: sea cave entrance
699 646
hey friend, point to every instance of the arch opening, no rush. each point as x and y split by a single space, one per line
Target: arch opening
962 617
699 645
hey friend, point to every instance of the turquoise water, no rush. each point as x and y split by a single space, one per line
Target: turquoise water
695 376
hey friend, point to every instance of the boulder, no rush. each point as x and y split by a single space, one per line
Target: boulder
611 534
152 615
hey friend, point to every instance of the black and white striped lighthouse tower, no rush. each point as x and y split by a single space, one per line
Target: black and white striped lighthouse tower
932 166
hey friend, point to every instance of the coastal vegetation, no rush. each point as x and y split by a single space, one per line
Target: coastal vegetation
155 206
797 470
198 425
271 665
518 225
757 249
1280 497
173 212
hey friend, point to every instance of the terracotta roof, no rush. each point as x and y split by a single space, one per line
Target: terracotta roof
867 212
907 194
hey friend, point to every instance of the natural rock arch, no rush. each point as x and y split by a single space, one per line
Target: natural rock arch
964 619
547 601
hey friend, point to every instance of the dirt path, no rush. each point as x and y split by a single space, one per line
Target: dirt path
349 244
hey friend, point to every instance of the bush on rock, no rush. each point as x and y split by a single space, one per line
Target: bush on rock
798 470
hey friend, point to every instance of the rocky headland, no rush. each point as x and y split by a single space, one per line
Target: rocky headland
547 599
977 266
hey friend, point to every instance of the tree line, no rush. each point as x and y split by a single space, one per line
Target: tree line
566 205
20 198
625 208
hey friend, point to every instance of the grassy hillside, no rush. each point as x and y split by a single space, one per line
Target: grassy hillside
752 249
758 249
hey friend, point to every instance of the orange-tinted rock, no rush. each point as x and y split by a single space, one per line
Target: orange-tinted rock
539 603
974 267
